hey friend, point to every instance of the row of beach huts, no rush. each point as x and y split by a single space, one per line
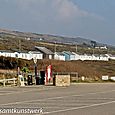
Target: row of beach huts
44 53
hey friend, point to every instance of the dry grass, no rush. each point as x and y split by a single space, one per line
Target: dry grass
89 69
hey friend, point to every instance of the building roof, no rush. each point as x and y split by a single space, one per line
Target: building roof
68 52
96 55
44 50
34 52
87 54
103 55
99 55
110 55
6 51
76 53
60 53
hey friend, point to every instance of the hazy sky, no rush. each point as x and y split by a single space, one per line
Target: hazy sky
91 19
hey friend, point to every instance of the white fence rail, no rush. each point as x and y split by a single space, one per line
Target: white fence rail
6 80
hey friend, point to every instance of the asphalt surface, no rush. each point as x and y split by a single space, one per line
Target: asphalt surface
77 99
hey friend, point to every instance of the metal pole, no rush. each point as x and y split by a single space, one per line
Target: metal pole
55 48
35 70
35 64
76 48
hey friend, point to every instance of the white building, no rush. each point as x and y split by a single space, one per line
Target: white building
103 57
98 57
101 47
86 57
6 53
69 55
59 56
65 55
110 56
22 55
36 54
77 56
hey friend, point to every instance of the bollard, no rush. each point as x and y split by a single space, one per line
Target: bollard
82 78
4 82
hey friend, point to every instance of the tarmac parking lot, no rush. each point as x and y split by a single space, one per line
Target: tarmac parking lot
77 99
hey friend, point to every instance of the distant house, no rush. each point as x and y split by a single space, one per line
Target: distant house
103 57
77 56
96 57
47 54
28 55
69 55
44 53
101 47
86 57
59 56
22 55
110 56
7 53
36 54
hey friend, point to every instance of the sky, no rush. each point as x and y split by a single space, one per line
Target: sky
90 19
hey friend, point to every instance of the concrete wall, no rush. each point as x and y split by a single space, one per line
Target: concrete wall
62 80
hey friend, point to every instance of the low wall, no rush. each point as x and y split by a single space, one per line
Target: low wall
62 80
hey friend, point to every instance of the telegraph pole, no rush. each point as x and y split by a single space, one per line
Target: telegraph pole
55 48
19 45
76 48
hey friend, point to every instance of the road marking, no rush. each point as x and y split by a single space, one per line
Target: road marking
77 108
24 91
16 92
50 98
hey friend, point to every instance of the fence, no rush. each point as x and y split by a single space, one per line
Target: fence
73 75
7 80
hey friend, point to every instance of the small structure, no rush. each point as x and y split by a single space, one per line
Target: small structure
105 77
59 56
21 80
77 56
47 54
7 53
86 57
48 74
103 57
112 78
22 55
73 76
69 55
36 54
110 56
61 80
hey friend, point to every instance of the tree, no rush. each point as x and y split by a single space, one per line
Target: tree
93 44
25 69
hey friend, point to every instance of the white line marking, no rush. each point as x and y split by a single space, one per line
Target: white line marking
50 98
5 91
82 107
24 91
16 92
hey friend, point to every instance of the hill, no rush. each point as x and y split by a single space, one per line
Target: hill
50 38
